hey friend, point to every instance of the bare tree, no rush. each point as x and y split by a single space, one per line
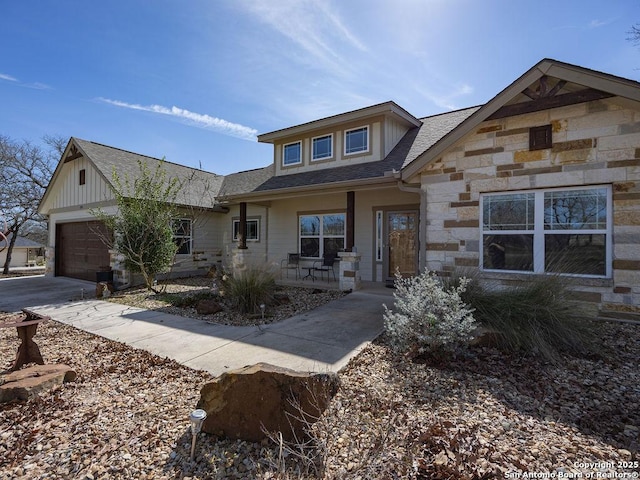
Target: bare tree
25 172
634 34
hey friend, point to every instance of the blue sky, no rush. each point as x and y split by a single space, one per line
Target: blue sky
195 81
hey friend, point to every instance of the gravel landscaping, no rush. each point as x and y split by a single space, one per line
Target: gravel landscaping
482 415
299 300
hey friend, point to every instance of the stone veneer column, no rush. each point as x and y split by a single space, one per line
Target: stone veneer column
349 271
121 276
239 259
50 261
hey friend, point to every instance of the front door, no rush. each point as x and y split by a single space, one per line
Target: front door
402 243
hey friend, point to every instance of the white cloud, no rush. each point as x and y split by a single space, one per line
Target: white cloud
4 76
37 86
313 27
198 119
34 85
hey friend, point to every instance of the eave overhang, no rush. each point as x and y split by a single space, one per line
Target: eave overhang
387 108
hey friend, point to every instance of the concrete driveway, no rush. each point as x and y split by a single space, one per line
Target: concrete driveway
17 293
323 339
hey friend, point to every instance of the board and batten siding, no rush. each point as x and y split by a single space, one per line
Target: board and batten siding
69 193
393 133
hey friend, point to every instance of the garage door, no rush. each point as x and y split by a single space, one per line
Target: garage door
80 250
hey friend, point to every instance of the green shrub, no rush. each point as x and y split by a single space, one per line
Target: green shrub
429 318
248 289
538 317
143 227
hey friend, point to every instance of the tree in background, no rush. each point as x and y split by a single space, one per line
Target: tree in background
143 229
25 172
634 34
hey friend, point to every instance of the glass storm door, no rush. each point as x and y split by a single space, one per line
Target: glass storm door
402 243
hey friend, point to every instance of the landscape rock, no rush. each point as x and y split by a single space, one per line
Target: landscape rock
281 299
243 403
208 307
29 382
104 289
484 337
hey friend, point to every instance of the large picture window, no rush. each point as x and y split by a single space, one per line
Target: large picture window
321 234
560 231
182 235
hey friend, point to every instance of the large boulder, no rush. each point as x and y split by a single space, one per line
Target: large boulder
208 307
29 382
243 403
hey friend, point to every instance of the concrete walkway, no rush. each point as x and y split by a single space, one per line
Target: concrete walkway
323 339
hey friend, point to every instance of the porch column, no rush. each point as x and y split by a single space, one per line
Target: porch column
242 227
351 209
349 271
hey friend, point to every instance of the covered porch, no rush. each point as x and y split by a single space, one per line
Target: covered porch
378 227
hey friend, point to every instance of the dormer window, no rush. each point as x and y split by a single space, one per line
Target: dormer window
292 154
322 147
356 140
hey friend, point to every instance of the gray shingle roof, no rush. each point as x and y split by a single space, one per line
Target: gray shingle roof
247 181
200 187
433 129
24 242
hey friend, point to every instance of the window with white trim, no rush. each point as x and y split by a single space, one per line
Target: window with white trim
292 153
252 229
322 233
554 230
182 235
322 147
356 140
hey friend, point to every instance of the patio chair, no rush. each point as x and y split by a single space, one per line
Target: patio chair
292 262
326 265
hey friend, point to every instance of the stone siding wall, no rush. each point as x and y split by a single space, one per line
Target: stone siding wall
595 143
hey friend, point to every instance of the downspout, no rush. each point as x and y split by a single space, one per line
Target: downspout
266 233
422 231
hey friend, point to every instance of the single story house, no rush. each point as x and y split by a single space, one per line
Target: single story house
545 177
26 252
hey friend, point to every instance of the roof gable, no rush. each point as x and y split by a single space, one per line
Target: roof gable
203 187
548 84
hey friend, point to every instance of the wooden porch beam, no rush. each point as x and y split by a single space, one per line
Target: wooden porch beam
351 209
242 227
